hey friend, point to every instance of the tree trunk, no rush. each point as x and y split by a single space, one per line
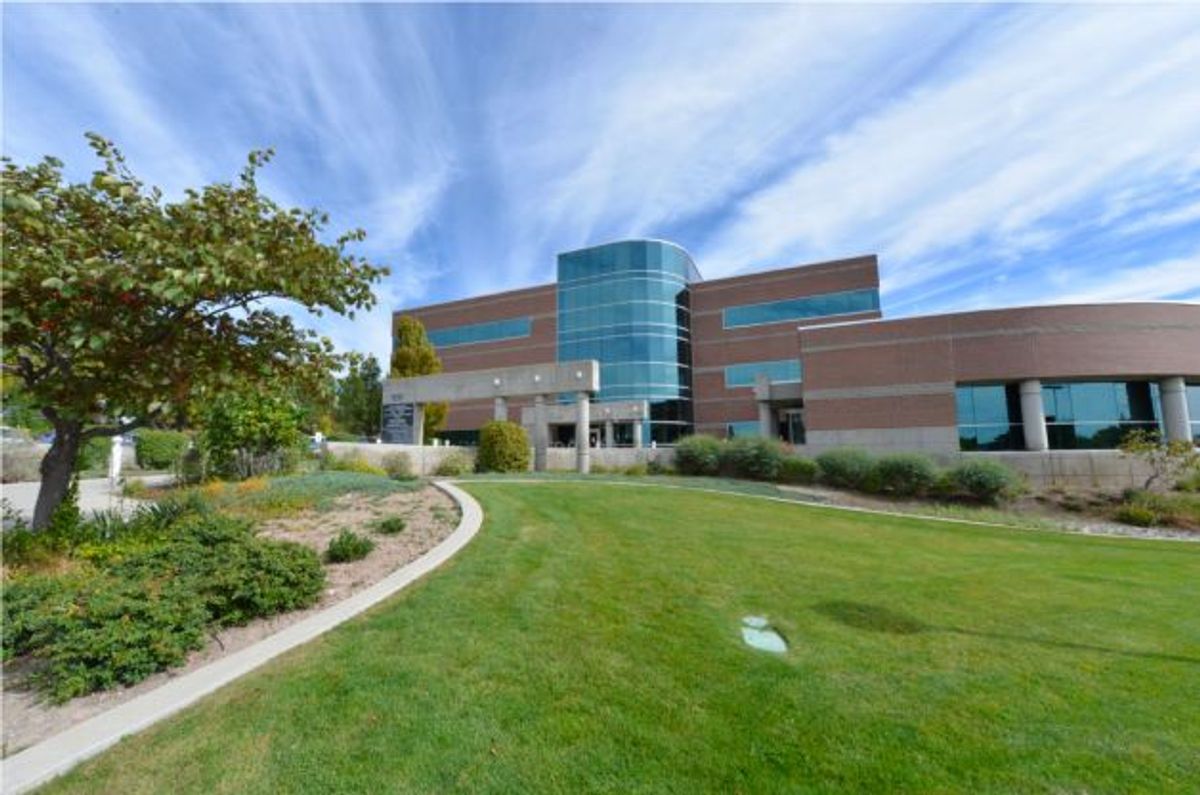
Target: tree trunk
57 468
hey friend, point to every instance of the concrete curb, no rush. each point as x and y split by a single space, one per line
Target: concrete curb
52 757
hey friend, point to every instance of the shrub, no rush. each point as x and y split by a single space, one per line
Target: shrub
453 465
656 467
398 466
503 447
982 480
794 469
391 525
348 546
1137 515
353 461
637 470
753 458
905 474
93 454
698 455
95 631
159 449
194 465
845 468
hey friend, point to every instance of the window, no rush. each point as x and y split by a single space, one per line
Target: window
1193 400
736 430
1096 415
779 370
847 302
989 417
512 328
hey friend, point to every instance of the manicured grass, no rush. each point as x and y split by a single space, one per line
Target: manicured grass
588 640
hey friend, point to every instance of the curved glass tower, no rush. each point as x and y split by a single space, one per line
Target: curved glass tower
626 304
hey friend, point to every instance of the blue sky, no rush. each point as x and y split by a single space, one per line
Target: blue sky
991 155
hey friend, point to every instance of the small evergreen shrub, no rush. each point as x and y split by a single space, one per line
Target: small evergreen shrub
846 468
905 474
698 455
348 546
636 470
1138 515
797 470
984 481
752 458
353 461
453 465
398 466
503 447
159 449
93 454
391 525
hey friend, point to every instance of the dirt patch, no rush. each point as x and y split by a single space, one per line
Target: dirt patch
429 514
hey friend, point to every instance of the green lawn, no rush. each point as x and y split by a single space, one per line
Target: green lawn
588 640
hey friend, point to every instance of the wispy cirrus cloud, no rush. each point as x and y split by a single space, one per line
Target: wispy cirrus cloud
990 154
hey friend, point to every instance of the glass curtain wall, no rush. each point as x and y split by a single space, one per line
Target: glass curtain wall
1096 415
627 305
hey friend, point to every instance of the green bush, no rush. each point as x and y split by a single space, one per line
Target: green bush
95 631
1138 515
503 447
698 455
984 481
348 546
353 461
636 470
656 467
159 449
752 458
798 470
453 465
391 525
93 454
905 474
398 466
846 468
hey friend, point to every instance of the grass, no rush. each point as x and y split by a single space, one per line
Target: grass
588 641
263 498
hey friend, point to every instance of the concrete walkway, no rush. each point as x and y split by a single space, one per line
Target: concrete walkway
38 764
95 494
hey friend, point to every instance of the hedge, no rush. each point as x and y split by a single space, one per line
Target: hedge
503 447
698 455
159 449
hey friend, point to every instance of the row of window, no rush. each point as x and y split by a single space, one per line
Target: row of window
625 314
627 348
609 289
846 302
778 370
1085 415
511 328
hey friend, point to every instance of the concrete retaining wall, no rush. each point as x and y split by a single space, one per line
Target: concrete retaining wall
563 458
1074 470
424 459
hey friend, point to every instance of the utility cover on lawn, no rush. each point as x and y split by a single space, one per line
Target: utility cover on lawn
756 632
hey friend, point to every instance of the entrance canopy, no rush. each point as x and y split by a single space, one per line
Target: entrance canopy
527 380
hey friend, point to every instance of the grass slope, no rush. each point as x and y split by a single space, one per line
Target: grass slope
587 641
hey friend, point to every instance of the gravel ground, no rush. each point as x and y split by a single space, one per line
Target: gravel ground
430 517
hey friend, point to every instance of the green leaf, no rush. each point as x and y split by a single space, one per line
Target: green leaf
53 283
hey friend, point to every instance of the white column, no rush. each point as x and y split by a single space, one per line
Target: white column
637 433
114 461
609 441
1033 416
1176 422
500 409
419 423
540 435
765 420
582 432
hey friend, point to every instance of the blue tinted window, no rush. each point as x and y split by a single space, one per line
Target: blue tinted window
842 303
778 370
739 429
989 417
627 306
1098 414
481 332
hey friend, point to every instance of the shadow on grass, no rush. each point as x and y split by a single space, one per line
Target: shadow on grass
873 618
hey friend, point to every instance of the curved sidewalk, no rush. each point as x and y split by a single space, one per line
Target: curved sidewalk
52 757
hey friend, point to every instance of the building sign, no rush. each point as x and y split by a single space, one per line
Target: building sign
398 423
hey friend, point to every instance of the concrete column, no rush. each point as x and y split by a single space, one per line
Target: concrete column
1176 422
540 435
500 409
583 419
609 441
765 420
637 434
418 423
1033 416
